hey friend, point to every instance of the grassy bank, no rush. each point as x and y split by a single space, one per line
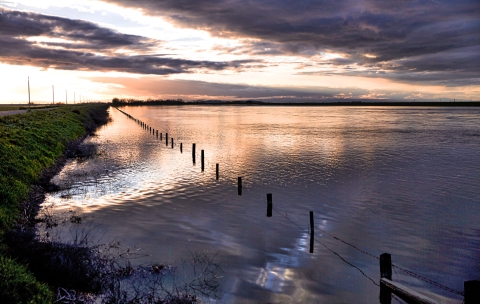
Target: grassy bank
29 144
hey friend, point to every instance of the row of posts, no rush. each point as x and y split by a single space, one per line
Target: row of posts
155 132
239 184
471 288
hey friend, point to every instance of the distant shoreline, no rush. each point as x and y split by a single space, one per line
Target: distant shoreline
326 104
7 107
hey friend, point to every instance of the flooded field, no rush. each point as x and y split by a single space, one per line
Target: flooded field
382 179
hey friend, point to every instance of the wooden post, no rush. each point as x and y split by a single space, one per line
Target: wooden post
203 161
193 152
157 133
216 169
472 292
385 294
172 143
385 272
161 136
269 205
29 91
181 147
239 185
312 232
386 266
166 139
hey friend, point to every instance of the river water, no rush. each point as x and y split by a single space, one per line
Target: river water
383 179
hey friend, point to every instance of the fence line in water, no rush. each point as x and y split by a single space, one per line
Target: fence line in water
312 239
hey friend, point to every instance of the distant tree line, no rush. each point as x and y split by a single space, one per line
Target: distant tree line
131 101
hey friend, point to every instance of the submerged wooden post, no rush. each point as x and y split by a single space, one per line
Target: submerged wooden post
181 147
472 292
387 286
193 152
216 169
172 143
161 136
203 161
385 272
385 294
166 139
386 266
269 205
239 185
312 232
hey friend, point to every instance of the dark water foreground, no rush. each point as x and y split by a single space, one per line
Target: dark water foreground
384 179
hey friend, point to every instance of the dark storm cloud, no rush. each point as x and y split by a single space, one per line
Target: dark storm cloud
461 68
15 24
88 47
390 30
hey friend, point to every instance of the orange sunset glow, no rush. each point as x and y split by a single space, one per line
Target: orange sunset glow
315 51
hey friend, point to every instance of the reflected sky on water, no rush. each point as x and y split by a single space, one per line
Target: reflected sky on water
396 180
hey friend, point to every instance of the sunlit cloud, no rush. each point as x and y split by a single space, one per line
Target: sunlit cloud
392 51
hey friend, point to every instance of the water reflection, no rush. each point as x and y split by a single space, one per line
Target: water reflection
273 277
395 180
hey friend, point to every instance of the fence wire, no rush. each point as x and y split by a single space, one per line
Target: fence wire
406 271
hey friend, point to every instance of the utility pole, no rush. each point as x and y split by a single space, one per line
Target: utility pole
66 96
73 97
53 93
29 91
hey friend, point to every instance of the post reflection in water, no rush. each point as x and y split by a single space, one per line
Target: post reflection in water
397 180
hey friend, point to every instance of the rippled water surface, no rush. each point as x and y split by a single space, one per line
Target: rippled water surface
397 180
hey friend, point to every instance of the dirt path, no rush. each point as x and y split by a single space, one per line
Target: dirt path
5 113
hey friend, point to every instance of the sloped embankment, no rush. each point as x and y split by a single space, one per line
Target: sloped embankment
31 146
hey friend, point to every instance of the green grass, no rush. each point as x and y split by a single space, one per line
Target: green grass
30 143
17 285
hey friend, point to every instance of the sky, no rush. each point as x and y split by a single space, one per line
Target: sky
270 50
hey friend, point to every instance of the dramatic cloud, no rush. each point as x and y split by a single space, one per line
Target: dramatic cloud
270 50
391 36
146 87
61 43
